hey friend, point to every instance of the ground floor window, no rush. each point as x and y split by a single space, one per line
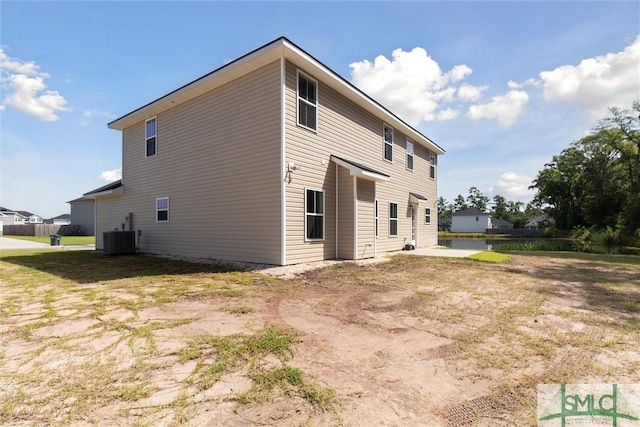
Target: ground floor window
393 219
162 209
427 215
314 214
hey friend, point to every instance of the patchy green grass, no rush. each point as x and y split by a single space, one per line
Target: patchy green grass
633 260
291 381
489 256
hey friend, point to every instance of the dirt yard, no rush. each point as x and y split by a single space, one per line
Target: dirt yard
414 341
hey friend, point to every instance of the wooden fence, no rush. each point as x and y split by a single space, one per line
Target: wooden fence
40 230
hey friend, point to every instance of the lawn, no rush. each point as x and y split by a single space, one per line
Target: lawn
142 340
64 240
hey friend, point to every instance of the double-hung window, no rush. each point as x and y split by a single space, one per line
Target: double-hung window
307 102
409 154
388 142
150 136
432 167
314 214
393 219
427 215
162 209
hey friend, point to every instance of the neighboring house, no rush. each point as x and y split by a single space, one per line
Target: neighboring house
272 158
500 224
539 221
64 219
11 217
83 214
471 220
31 218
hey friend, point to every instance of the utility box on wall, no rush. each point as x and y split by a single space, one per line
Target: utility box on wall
128 222
119 243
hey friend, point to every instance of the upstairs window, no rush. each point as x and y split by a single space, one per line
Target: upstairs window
409 154
393 219
388 142
432 167
314 214
150 133
162 209
307 102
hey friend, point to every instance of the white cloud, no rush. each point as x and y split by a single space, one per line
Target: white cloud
110 176
89 115
611 80
26 88
471 93
514 186
447 114
504 108
459 72
411 84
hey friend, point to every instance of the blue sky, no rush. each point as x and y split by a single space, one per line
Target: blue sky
501 86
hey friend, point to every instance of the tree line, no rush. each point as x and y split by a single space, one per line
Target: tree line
516 212
593 185
595 182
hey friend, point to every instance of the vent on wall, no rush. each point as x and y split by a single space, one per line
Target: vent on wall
119 243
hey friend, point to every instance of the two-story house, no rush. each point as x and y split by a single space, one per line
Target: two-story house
272 158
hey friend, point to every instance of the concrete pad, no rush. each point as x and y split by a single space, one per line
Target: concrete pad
7 243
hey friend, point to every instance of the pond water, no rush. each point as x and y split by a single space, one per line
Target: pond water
544 244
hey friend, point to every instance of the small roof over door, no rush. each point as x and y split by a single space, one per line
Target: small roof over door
416 198
359 170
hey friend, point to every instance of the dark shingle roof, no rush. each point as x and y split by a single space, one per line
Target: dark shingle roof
469 212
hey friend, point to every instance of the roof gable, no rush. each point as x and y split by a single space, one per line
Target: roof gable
281 48
470 212
112 188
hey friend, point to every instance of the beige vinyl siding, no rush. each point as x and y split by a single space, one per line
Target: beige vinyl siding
109 215
366 219
348 131
218 162
345 214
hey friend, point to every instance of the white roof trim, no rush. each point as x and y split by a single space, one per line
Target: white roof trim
280 48
361 172
416 198
118 190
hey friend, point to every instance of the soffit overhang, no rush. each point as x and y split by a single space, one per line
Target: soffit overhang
279 49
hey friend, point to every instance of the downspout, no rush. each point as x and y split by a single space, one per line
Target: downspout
283 189
355 218
337 255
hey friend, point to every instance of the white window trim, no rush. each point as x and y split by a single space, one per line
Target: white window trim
146 137
324 229
385 143
410 154
158 210
298 99
427 215
397 219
